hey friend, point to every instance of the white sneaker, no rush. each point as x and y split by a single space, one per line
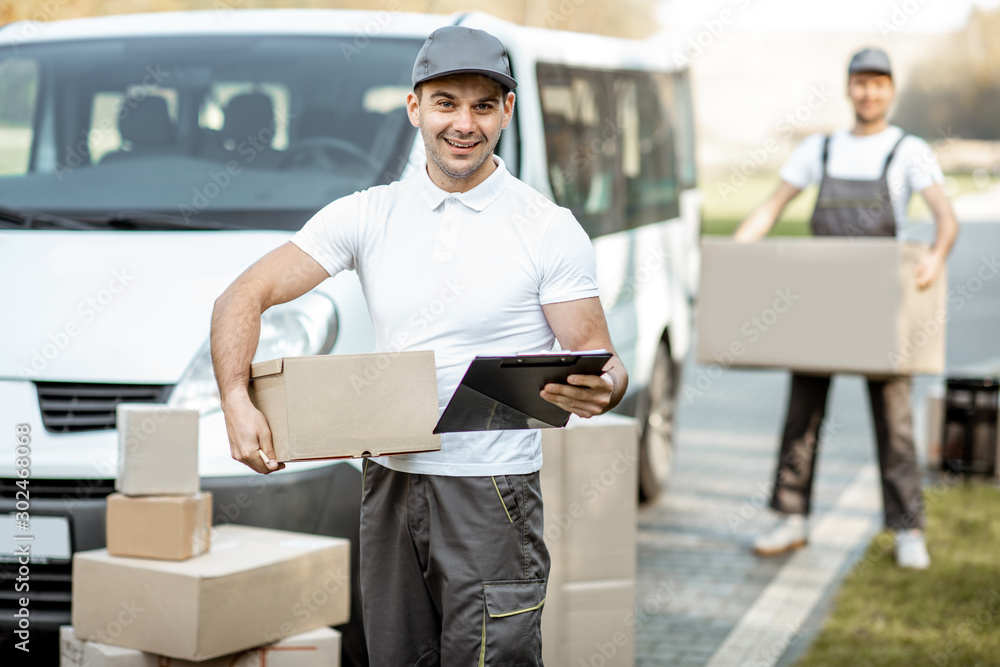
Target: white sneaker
911 550
790 533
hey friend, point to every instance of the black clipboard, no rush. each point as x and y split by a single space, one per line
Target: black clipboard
502 393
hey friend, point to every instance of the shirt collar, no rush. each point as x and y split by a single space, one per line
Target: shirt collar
478 198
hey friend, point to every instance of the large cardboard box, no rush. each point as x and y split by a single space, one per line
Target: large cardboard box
823 305
170 527
349 405
315 648
157 450
252 587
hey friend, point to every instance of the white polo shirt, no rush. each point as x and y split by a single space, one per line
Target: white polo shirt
460 274
913 169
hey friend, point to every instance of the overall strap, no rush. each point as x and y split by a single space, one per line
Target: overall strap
826 151
892 154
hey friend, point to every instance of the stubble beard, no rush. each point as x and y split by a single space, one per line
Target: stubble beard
434 153
874 120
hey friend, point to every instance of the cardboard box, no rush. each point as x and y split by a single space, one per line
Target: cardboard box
316 648
599 623
170 527
252 587
823 305
551 478
349 405
589 483
157 450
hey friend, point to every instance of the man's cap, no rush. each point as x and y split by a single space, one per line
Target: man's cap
870 60
460 50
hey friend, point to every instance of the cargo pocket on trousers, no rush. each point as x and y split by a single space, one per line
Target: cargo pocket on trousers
512 614
508 496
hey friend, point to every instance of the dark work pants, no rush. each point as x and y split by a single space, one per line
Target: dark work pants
892 414
453 569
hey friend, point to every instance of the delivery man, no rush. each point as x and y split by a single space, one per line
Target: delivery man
865 176
453 564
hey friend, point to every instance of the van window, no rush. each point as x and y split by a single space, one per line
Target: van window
610 139
223 94
108 107
258 131
683 103
581 144
645 120
19 83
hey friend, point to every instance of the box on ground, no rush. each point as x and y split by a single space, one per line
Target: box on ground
157 450
599 623
252 587
589 483
315 648
349 405
169 527
551 478
820 305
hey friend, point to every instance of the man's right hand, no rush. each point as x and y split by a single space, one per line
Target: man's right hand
249 435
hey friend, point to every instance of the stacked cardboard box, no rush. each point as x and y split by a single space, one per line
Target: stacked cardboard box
252 587
589 487
162 590
158 511
308 649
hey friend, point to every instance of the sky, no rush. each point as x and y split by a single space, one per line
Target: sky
910 16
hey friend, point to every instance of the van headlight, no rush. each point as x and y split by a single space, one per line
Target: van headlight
305 326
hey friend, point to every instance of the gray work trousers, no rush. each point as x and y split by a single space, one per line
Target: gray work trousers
892 414
453 569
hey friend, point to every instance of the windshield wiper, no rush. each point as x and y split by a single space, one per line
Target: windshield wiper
150 220
20 218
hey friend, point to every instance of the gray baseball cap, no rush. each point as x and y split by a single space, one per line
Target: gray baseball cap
870 60
459 50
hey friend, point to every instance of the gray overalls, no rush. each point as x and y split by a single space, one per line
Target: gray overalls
852 208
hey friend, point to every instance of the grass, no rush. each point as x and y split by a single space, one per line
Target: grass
726 207
947 615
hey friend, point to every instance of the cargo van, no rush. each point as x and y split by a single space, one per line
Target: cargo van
146 160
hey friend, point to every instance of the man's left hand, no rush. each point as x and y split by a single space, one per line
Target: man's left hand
584 395
928 269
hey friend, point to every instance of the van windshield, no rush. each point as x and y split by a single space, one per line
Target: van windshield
255 131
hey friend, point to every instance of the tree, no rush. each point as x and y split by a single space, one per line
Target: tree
957 90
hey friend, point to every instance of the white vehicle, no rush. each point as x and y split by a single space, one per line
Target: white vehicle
146 160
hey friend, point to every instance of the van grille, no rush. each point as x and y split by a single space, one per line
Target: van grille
59 489
50 586
71 407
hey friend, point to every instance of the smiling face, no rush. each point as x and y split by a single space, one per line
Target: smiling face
872 95
460 118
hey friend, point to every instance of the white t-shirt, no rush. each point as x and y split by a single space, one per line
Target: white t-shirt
913 168
460 274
